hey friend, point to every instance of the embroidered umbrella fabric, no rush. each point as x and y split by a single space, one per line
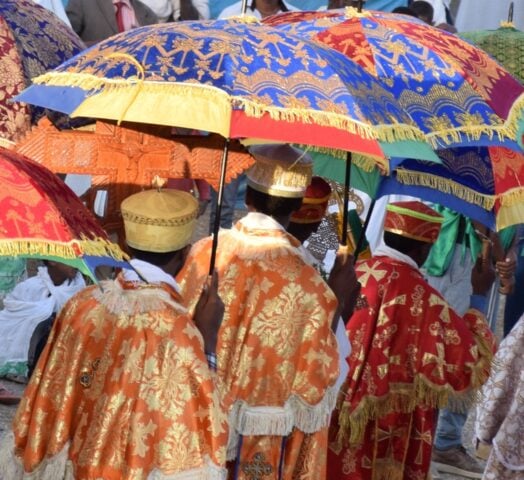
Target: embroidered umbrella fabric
231 77
43 218
456 93
32 41
483 183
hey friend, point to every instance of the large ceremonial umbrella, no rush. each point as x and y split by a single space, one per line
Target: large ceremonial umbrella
32 41
483 183
456 93
43 218
234 78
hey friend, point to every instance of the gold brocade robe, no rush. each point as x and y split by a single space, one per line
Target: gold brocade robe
277 356
122 392
411 353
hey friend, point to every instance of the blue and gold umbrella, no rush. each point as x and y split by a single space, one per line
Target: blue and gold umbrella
455 92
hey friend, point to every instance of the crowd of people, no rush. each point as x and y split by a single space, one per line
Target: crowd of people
278 364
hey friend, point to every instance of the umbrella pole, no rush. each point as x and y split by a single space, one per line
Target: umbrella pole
510 12
218 210
363 232
360 5
244 7
345 213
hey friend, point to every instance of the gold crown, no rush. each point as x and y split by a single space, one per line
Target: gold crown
159 220
280 170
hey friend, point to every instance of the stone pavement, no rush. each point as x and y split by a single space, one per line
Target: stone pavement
7 412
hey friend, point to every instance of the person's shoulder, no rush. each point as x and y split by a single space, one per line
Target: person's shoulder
231 10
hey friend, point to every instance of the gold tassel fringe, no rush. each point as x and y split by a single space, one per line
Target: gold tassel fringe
445 185
74 249
401 398
385 133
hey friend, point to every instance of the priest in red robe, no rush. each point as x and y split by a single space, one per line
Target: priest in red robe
411 354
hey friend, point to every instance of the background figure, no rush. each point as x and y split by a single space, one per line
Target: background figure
229 201
175 10
500 413
95 20
258 8
57 7
487 14
31 302
514 308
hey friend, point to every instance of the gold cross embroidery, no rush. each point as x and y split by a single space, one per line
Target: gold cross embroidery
439 360
258 468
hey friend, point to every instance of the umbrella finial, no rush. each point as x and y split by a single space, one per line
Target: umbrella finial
158 182
244 7
510 12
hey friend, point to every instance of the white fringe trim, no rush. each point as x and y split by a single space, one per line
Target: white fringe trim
279 421
59 467
118 300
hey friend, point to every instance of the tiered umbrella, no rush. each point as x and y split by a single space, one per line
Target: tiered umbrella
32 41
43 218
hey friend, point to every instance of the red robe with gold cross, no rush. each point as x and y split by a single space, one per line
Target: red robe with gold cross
411 353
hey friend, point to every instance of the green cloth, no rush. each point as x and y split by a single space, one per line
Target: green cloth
441 253
505 44
11 272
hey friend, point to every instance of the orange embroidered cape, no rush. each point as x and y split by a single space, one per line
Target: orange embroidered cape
277 355
410 354
122 391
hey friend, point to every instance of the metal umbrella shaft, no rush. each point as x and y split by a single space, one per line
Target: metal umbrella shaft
345 212
362 235
218 211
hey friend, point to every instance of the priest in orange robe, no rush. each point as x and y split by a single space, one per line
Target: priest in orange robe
411 353
277 354
123 390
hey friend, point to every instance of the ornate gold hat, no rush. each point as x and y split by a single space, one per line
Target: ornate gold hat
280 170
161 220
315 202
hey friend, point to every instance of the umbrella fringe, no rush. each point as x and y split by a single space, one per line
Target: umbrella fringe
509 129
512 197
445 185
386 133
70 250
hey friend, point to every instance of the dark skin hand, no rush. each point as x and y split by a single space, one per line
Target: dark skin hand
482 276
345 285
209 312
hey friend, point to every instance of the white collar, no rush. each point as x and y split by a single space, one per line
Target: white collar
150 273
257 220
384 250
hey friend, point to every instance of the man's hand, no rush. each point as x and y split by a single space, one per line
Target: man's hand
344 284
482 276
209 312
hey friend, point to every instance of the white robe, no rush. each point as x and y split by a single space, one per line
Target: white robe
31 302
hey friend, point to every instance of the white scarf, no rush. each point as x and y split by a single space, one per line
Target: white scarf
39 297
384 250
